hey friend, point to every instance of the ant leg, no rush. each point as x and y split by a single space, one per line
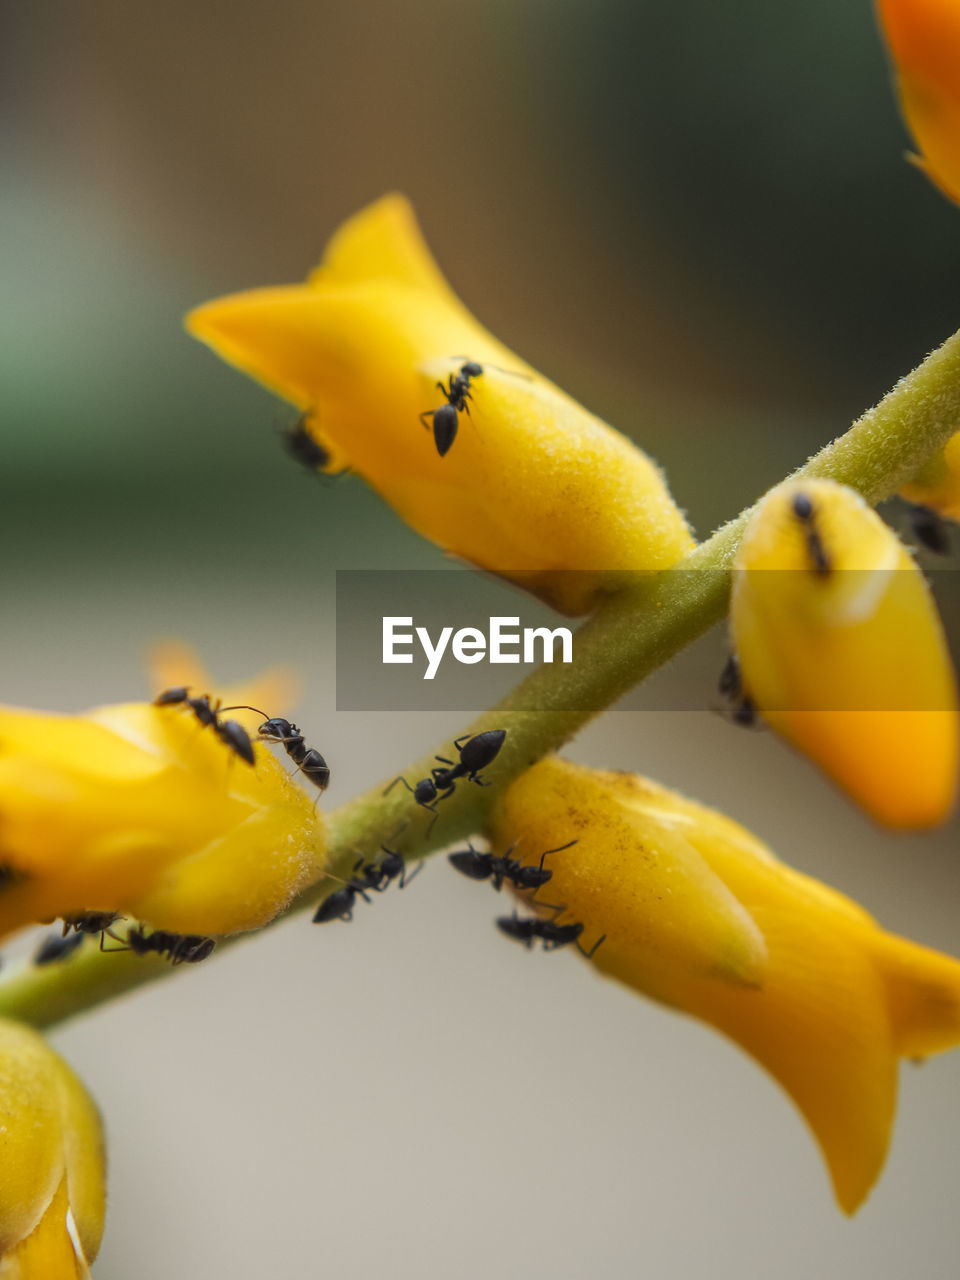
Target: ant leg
402 779
408 879
465 738
427 413
589 954
444 760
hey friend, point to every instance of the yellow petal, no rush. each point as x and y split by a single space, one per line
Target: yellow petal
52 1172
32 1166
382 241
839 999
49 1252
938 485
640 881
924 41
533 484
842 651
139 809
170 663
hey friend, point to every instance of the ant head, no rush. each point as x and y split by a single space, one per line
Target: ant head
273 730
470 369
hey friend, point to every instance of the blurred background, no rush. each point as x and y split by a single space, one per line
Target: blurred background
698 219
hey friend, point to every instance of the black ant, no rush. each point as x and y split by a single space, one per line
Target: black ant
301 445
180 948
230 732
446 419
375 877
929 530
92 922
379 875
552 935
56 946
311 763
730 686
487 866
804 511
477 752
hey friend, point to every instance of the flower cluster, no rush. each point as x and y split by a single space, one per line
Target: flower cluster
170 813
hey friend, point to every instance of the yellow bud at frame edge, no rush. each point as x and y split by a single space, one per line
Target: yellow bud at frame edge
830 1000
52 1163
843 653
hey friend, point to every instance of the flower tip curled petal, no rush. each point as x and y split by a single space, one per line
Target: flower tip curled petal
532 485
839 999
842 651
637 879
923 37
52 1175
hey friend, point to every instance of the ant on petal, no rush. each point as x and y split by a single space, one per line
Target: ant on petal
730 686
310 762
92 922
230 732
179 948
803 509
445 421
487 866
552 935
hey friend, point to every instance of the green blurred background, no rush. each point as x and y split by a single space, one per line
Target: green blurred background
698 219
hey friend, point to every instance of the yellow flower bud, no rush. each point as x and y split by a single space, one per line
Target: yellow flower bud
836 999
139 809
842 651
937 485
52 1165
924 41
532 487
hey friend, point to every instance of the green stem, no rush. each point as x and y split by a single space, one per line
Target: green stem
630 635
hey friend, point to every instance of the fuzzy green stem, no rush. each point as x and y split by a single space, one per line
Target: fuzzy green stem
630 635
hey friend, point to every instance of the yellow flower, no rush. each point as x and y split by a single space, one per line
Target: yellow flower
839 999
843 652
139 809
938 485
533 486
52 1165
924 41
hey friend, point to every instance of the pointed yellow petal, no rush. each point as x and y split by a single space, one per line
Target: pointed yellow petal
170 663
382 241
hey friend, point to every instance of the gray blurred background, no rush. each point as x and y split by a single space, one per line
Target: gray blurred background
698 219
